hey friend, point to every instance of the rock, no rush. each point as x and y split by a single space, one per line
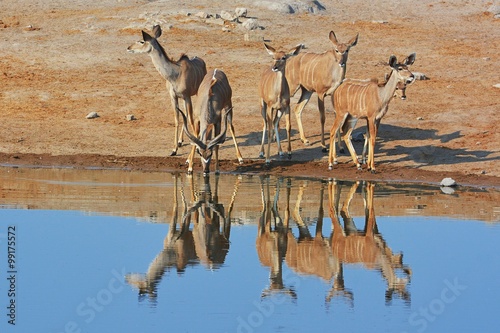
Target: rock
251 24
228 16
131 117
494 9
202 15
420 76
92 115
420 118
448 182
282 8
241 12
496 85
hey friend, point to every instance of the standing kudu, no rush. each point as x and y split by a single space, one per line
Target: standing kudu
214 99
183 76
369 100
350 123
321 73
275 99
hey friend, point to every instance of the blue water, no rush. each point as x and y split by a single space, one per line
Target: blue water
71 271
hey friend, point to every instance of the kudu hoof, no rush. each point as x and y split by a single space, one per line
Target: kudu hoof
324 150
289 156
173 153
179 144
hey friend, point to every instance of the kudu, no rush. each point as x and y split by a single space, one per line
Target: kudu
213 105
352 246
183 77
319 73
182 247
350 123
275 100
369 100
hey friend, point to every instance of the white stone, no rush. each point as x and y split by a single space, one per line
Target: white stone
241 12
92 115
448 182
251 24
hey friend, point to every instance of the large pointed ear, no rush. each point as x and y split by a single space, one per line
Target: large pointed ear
410 60
393 61
295 50
157 31
269 49
354 41
333 38
146 37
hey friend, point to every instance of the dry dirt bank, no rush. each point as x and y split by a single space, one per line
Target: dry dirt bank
62 60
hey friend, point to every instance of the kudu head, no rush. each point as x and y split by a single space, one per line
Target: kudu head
400 88
280 57
341 50
401 71
205 150
146 44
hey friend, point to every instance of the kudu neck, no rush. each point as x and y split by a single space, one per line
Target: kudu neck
165 66
387 90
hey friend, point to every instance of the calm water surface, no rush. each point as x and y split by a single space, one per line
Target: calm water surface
117 251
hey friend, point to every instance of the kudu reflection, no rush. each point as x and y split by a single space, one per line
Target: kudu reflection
206 243
325 257
271 240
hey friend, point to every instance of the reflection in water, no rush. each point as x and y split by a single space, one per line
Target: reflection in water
272 239
206 243
368 247
325 257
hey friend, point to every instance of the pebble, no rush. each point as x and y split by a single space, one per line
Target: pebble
92 115
131 117
448 182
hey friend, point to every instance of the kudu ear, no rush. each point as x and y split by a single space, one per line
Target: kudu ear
146 37
333 38
270 49
295 50
410 60
393 61
354 41
157 31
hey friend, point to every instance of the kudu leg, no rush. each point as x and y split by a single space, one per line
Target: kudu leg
322 117
178 131
304 99
264 129
231 128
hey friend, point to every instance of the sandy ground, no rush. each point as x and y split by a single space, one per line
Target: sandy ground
60 61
